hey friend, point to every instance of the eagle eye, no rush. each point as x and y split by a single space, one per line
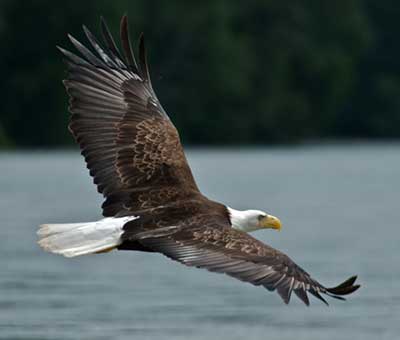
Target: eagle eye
260 217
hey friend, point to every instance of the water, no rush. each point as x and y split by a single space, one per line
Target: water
339 206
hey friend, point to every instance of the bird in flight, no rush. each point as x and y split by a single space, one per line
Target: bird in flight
152 202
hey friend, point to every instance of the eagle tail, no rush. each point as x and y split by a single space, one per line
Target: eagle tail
75 239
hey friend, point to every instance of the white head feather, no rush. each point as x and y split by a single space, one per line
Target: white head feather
251 220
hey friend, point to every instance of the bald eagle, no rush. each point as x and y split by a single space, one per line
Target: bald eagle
152 202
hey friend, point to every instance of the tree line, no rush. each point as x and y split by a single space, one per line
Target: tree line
253 72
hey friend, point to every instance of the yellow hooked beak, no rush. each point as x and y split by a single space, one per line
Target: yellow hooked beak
270 221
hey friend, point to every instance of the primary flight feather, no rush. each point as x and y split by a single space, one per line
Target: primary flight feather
152 202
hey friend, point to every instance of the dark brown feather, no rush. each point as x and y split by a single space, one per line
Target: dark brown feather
207 241
345 288
96 45
126 43
89 56
127 139
110 43
143 59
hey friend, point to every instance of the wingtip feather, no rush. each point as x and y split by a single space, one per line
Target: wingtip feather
345 288
143 58
126 44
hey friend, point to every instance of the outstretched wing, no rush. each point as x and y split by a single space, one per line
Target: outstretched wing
221 249
131 148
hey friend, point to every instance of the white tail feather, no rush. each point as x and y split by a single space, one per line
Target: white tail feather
74 239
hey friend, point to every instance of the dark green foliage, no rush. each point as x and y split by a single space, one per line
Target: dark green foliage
227 72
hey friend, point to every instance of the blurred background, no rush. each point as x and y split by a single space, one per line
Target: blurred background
228 73
292 107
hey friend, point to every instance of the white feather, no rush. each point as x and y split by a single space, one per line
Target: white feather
246 220
74 239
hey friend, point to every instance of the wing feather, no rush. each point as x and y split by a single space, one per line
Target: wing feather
127 47
89 56
225 250
100 51
110 43
143 59
127 139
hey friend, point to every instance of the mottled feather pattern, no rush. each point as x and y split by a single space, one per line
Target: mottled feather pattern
155 149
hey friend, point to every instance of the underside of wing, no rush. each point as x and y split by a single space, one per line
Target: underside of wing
237 254
129 143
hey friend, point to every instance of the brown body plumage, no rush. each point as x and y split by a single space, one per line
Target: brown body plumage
134 154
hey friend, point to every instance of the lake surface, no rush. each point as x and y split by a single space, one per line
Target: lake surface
340 206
